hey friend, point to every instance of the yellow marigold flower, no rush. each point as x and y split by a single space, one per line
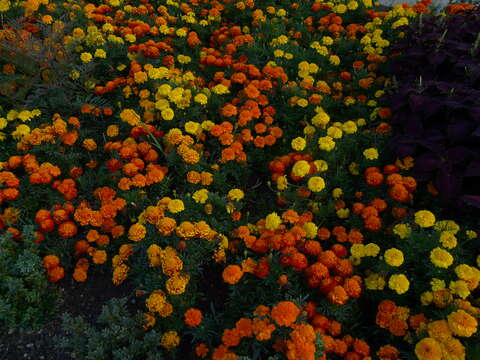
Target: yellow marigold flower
137 232
403 231
335 132
20 131
343 213
100 53
308 130
3 123
426 298
25 115
175 206
357 250
466 272
441 258
375 282
167 114
394 257
320 119
337 193
236 194
448 239
462 323
201 99
353 168
471 234
192 127
370 154
399 283
131 38
334 60
220 89
326 143
170 340
316 184
424 218
437 284
349 127
372 249
311 229
298 144
340 9
200 196
86 57
273 221
428 349
352 5
4 5
282 183
207 125
459 288
301 168
327 40
447 225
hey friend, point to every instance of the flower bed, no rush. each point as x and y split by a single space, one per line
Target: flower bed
230 162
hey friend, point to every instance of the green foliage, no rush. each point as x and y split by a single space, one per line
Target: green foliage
26 298
121 337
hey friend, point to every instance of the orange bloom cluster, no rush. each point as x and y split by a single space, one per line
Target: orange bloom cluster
8 186
392 317
55 272
49 133
193 317
138 165
328 270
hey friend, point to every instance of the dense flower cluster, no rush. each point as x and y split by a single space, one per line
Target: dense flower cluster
229 161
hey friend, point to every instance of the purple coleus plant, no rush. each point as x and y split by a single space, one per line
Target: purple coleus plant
436 104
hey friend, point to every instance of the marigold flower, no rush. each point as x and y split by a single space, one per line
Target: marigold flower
462 323
193 317
285 313
201 351
137 232
316 184
399 283
393 257
428 349
441 258
232 274
424 218
272 221
170 340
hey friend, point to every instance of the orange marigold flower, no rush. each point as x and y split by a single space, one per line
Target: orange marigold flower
244 327
231 337
137 232
51 261
193 317
232 274
99 257
285 313
55 274
67 229
201 351
388 352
